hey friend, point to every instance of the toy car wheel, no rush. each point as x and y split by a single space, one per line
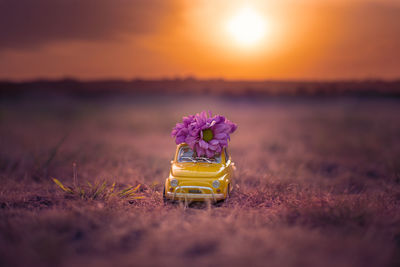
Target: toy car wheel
163 196
165 199
228 192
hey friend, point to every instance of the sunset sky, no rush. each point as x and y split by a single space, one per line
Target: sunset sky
285 39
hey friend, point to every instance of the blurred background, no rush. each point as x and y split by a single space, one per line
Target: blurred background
289 39
91 89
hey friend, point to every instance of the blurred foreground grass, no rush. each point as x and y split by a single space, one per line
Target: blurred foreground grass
318 184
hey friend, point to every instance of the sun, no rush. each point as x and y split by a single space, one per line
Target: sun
247 27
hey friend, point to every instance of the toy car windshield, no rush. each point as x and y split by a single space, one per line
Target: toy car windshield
186 154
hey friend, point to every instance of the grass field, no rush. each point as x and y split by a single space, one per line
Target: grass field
317 183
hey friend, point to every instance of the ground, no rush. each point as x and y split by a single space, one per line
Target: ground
317 183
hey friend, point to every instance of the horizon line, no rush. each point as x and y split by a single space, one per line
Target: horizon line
192 78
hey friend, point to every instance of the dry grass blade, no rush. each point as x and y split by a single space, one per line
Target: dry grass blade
141 197
125 191
136 188
129 191
112 188
64 188
99 190
82 192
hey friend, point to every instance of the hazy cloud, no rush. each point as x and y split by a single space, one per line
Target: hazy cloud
27 23
319 39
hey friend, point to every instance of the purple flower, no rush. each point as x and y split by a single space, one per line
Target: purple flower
181 131
204 134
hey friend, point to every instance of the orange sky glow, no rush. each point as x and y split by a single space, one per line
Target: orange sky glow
296 40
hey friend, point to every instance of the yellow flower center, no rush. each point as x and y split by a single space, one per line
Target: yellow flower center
207 135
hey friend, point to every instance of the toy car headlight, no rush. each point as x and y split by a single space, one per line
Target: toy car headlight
174 183
216 184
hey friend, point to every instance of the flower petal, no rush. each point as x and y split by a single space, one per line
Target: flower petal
210 153
221 136
214 142
203 144
200 151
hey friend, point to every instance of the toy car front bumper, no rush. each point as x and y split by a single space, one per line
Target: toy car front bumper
206 193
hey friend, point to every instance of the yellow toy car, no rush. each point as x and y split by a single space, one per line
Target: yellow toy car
193 178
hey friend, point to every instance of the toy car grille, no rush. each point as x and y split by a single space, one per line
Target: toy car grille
195 191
